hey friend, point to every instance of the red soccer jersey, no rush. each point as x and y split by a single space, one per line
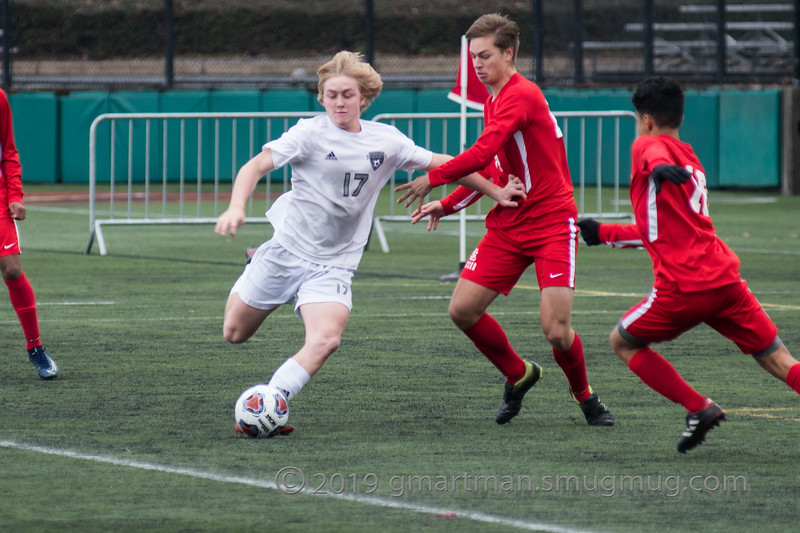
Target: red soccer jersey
521 137
10 169
674 225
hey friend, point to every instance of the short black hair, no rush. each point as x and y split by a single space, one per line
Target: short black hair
661 98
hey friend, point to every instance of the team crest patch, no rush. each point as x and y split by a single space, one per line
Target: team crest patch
376 159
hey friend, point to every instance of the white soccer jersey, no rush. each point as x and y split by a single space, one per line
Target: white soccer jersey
336 178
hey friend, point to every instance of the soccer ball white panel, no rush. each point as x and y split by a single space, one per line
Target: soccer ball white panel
261 411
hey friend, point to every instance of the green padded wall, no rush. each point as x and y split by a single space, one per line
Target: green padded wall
700 110
750 138
736 133
36 135
76 113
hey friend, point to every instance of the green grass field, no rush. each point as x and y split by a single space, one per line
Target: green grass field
396 432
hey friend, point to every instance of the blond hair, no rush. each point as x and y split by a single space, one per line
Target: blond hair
351 64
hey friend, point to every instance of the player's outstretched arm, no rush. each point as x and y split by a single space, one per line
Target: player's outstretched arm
246 180
433 209
614 235
505 196
413 190
419 188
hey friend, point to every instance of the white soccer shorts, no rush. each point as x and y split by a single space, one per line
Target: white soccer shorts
275 276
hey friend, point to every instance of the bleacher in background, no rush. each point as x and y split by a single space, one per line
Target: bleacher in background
265 44
756 43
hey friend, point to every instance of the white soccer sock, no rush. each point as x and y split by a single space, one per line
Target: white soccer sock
290 377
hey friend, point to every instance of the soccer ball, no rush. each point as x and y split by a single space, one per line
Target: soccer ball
261 411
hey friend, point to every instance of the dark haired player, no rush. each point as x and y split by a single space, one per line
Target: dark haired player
697 277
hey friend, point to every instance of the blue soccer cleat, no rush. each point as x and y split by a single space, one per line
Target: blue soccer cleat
47 368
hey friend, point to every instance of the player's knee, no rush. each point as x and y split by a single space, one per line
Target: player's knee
558 341
613 340
234 335
558 335
325 345
461 317
10 271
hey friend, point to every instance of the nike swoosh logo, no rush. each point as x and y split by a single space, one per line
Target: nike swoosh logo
7 246
555 275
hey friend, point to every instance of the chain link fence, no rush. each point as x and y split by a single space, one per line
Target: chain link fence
116 44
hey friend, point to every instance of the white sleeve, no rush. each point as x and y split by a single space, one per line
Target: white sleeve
291 146
409 155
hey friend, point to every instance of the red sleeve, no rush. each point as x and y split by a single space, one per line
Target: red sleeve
651 154
10 167
506 115
459 199
620 235
463 197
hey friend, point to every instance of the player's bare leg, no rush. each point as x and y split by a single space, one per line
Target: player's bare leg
778 363
556 320
468 311
469 302
241 321
658 374
325 324
556 317
20 293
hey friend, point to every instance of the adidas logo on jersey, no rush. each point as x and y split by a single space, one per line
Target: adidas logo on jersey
331 157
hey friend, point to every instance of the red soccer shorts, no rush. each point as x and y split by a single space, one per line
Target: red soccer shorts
9 238
499 260
732 310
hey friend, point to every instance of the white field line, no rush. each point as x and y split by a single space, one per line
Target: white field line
267 484
354 316
78 303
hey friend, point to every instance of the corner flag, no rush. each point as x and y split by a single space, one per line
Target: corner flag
468 84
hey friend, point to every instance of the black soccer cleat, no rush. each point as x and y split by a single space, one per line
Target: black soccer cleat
513 395
698 424
46 367
596 413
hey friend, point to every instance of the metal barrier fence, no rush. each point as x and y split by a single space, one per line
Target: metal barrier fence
155 188
168 168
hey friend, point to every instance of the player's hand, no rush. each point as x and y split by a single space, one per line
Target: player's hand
419 188
513 189
432 209
590 231
674 173
229 221
17 210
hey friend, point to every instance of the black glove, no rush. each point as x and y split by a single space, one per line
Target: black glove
674 173
590 231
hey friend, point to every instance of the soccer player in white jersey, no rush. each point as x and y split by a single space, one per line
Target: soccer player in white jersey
339 165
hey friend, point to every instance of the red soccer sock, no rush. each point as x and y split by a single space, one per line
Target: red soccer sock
489 337
793 378
573 364
658 374
23 301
